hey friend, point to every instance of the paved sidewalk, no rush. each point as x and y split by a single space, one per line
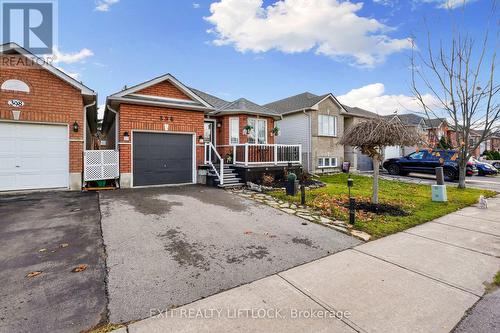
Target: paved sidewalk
420 280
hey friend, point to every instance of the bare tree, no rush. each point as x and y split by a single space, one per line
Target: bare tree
460 77
372 136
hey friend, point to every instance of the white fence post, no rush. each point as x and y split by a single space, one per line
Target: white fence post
234 154
221 172
246 154
275 154
300 154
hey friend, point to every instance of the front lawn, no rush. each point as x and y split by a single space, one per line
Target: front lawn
414 200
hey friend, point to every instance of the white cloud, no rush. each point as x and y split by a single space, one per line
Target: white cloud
329 27
196 5
74 75
452 4
70 58
372 97
104 5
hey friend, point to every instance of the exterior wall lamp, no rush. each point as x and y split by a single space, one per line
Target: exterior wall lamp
201 140
76 127
126 136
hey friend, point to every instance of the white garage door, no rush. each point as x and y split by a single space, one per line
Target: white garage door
33 156
392 152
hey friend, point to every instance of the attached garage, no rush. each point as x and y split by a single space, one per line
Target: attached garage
163 158
33 156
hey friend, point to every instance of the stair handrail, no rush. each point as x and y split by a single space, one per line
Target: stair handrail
220 173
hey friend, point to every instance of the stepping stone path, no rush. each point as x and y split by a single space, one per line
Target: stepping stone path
305 213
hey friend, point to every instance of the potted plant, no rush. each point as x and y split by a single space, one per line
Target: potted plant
247 129
275 131
292 184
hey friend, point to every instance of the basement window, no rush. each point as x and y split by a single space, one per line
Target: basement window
327 162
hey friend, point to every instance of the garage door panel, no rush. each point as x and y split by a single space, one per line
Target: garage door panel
162 158
33 156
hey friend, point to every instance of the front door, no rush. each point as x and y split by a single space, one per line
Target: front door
209 136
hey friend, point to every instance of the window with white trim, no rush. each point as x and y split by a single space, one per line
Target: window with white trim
234 130
15 85
327 162
259 132
327 125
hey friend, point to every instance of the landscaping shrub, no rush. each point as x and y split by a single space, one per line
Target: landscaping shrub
267 179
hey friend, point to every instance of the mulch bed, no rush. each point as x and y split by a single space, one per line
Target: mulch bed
380 209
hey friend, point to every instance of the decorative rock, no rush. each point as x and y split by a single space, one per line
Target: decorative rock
325 220
361 235
341 229
307 217
293 206
288 210
285 205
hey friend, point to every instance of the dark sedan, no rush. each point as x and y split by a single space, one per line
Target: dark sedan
484 168
427 162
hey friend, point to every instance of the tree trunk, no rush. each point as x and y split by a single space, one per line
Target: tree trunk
462 170
376 169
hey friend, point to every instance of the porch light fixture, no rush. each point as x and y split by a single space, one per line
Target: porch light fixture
219 124
200 139
76 127
126 136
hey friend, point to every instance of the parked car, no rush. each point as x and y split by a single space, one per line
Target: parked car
484 168
427 162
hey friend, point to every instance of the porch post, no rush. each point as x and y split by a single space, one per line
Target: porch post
275 154
300 154
234 154
246 154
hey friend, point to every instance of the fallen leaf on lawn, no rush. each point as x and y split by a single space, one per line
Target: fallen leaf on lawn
247 232
33 274
79 268
63 245
42 250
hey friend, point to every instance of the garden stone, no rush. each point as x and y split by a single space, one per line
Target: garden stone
325 220
293 206
360 234
307 217
285 205
341 229
288 210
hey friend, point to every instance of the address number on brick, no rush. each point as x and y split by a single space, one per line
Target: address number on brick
16 103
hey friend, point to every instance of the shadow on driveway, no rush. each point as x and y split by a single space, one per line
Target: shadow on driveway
57 300
171 246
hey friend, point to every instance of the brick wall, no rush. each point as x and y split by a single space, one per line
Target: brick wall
50 100
223 132
164 89
149 118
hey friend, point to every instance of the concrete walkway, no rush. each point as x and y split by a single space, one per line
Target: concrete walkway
420 280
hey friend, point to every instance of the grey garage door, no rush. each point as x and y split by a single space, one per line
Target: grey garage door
162 158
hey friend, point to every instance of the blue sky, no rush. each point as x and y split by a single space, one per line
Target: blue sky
280 51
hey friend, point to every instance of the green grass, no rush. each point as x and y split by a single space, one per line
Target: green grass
413 198
496 279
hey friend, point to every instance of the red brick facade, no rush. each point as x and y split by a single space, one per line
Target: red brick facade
50 100
150 118
164 89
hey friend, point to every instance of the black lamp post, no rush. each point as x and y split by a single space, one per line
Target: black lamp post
352 202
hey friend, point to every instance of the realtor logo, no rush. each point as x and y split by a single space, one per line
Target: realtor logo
31 24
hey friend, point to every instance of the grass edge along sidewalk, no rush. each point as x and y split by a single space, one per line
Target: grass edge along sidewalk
412 202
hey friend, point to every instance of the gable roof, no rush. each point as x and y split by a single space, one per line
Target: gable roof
131 95
408 118
13 48
300 102
434 123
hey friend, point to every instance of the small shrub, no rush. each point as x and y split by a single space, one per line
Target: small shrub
267 179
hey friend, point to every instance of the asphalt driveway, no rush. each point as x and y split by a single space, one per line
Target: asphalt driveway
171 246
51 232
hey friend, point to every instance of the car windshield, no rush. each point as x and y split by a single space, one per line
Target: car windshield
417 155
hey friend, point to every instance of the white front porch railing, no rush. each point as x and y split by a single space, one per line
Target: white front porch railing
211 154
258 154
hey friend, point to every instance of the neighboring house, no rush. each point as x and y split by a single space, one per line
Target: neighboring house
316 123
168 133
47 119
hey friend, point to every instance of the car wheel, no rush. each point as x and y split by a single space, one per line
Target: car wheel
394 169
481 173
449 175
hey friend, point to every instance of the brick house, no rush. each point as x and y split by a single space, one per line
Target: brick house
47 119
168 133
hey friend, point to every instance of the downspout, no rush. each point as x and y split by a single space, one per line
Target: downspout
117 124
309 143
85 107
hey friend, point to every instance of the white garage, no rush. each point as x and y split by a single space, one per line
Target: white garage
33 156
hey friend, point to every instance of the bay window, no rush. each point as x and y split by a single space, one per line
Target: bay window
327 125
259 131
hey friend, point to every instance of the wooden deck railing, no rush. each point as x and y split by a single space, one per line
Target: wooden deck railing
258 154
